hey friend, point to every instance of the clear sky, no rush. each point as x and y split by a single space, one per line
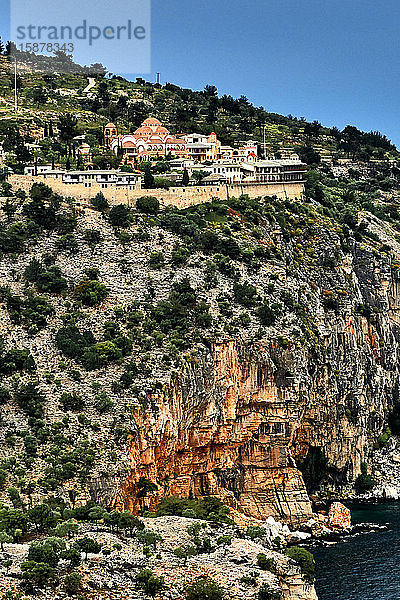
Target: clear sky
332 60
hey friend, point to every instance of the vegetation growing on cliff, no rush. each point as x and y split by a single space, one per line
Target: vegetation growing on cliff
259 325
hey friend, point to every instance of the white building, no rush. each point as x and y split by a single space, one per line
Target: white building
231 171
270 171
106 179
39 170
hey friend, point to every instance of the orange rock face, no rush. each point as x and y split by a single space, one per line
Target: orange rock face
339 516
224 429
238 422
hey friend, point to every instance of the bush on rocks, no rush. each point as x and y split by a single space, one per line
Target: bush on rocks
91 292
266 592
149 583
100 202
120 216
148 204
265 563
204 588
73 583
47 279
305 559
72 402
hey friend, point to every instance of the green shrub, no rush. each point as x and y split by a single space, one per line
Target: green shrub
156 260
266 592
181 312
73 342
31 311
43 517
303 558
47 551
102 403
255 532
67 243
100 354
179 254
30 444
120 216
90 293
47 279
5 395
30 400
148 204
210 508
38 574
204 588
364 482
266 314
73 583
88 545
245 294
250 579
149 583
13 239
224 540
16 360
92 237
384 438
72 401
266 564
99 202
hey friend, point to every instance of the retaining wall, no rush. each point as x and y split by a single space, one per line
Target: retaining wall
181 197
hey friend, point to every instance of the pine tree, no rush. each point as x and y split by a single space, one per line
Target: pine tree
10 48
46 131
2 47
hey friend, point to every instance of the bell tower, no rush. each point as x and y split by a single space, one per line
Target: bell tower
110 133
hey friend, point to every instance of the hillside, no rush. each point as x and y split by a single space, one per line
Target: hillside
241 356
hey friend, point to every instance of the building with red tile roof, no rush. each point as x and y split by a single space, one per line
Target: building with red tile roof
151 139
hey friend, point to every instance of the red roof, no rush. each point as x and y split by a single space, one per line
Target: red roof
143 129
151 121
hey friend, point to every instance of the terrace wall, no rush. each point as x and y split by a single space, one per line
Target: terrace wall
182 197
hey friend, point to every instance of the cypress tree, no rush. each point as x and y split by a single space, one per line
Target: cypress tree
148 178
185 177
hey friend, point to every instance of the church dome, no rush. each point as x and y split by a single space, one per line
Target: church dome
151 121
143 130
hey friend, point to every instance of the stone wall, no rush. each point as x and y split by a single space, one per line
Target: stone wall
181 197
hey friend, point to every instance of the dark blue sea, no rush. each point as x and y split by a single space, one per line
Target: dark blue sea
366 567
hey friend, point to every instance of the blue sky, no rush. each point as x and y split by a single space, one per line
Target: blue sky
332 60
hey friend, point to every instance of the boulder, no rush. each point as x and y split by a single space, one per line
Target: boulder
339 517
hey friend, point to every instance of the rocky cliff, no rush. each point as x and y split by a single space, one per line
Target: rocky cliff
255 422
267 375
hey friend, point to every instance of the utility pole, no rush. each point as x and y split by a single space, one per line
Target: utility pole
15 86
158 78
264 144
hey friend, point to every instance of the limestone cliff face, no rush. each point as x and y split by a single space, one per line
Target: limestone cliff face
260 418
247 420
225 429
